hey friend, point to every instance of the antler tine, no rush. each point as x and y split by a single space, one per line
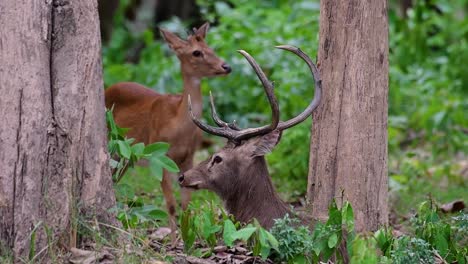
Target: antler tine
318 89
218 120
268 87
222 131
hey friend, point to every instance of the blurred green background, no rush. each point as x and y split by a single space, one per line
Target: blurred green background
428 96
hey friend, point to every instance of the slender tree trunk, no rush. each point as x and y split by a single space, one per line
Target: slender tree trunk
53 158
348 158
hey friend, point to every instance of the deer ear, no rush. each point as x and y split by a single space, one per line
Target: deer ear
201 31
265 144
172 39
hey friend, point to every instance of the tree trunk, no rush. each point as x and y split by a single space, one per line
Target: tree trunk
348 158
53 154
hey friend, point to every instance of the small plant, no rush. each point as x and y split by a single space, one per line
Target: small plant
294 239
327 237
429 226
124 155
130 209
205 224
363 251
412 250
385 241
263 241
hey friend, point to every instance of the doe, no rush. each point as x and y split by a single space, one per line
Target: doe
154 117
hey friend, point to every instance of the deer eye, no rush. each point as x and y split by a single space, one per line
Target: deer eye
217 159
197 53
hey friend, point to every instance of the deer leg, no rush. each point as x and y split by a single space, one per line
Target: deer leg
166 185
186 196
185 193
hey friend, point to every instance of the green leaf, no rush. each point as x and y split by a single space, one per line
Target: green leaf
228 231
157 149
441 243
332 240
348 216
245 233
122 131
168 164
334 215
156 169
158 214
272 240
124 149
137 149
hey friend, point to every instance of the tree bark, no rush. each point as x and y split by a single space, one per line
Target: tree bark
53 150
348 158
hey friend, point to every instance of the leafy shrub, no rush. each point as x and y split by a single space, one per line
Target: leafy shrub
429 226
412 250
130 209
124 154
203 223
363 251
294 240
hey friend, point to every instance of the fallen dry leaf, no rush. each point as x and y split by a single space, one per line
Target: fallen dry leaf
80 256
453 207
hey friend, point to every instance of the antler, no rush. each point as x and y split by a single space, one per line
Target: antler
234 133
317 93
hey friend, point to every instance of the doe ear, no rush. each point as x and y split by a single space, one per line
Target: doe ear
172 39
202 30
265 144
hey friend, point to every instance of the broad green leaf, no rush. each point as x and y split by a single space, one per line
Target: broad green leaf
244 234
334 215
138 149
265 252
441 243
158 214
228 231
124 149
157 149
332 240
122 131
156 169
272 240
168 164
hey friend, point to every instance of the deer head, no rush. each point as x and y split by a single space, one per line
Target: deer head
197 59
238 173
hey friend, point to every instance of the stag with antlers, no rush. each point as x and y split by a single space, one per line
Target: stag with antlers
238 172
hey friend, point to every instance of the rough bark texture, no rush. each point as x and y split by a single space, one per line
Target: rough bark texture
348 158
52 138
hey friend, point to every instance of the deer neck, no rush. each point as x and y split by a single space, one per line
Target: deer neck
192 88
256 197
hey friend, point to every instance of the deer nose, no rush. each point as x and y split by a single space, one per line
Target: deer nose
181 178
226 67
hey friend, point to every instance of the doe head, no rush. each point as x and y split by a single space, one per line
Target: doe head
196 57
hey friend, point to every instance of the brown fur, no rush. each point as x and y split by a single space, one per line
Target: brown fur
242 180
